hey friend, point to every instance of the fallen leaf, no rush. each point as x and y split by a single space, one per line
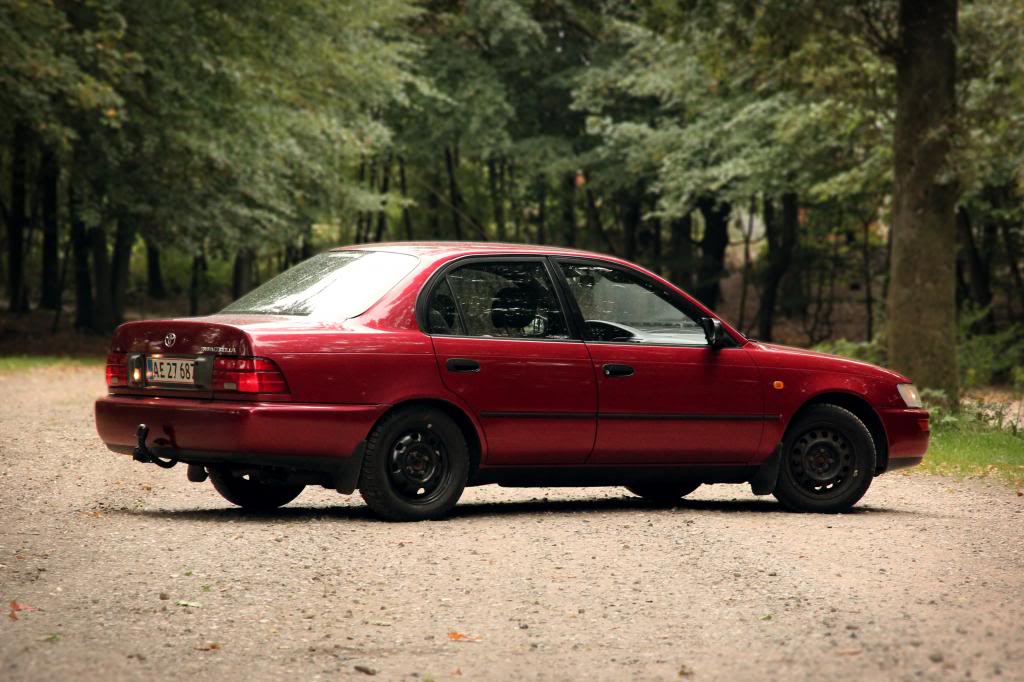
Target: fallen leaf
459 637
209 646
16 607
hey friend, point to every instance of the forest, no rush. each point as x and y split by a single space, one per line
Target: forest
848 175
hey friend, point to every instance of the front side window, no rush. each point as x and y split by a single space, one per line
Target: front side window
505 299
621 307
335 285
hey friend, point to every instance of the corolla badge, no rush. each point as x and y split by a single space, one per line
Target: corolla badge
170 339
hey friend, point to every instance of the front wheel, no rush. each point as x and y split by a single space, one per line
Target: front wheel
664 493
415 465
253 494
828 461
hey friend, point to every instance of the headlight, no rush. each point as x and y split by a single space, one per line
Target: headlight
910 395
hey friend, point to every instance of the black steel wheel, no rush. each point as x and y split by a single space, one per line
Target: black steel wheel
253 494
418 465
415 465
828 461
665 493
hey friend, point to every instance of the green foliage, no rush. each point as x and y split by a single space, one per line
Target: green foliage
20 363
977 438
990 358
868 351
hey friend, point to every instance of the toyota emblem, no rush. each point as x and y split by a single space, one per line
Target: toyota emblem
170 339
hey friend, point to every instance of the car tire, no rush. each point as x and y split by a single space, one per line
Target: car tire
828 461
253 494
666 493
415 465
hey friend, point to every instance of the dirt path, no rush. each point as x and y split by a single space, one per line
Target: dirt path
138 574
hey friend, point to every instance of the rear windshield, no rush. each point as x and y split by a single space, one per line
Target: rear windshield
335 285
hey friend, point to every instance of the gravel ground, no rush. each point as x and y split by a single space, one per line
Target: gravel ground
127 571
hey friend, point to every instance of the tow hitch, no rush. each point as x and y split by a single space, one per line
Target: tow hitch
142 453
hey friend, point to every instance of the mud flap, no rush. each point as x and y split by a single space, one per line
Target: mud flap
767 476
347 478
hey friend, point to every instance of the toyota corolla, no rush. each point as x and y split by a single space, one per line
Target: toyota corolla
409 371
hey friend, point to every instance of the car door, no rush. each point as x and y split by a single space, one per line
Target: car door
504 345
664 395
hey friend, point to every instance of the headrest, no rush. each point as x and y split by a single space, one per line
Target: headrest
514 307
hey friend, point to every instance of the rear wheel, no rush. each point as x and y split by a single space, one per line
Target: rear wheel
415 466
253 494
663 492
828 460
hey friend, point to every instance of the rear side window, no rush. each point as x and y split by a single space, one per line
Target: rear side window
500 299
334 285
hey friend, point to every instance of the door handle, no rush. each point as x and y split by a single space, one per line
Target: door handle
618 371
462 365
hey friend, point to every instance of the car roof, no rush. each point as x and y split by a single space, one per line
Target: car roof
451 249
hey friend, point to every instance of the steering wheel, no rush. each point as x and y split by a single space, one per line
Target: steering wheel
603 330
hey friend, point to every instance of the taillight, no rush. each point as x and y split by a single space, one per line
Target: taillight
117 369
247 375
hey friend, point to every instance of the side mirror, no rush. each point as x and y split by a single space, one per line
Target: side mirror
713 332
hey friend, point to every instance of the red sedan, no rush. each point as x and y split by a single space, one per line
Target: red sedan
409 371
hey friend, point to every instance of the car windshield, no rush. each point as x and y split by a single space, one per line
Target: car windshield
335 285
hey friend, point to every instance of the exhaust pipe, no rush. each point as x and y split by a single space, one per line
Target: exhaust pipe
142 453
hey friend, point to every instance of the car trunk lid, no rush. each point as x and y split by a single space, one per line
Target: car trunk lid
175 357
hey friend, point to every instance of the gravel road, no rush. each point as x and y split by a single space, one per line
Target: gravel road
126 571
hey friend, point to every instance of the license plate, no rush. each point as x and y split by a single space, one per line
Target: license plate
170 371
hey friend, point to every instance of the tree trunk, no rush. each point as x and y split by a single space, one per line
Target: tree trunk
241 275
517 212
594 224
1012 258
632 216
922 292
453 192
17 295
49 176
869 300
85 312
978 264
716 238
404 187
681 245
103 317
748 235
120 269
569 209
196 283
434 205
154 274
656 246
497 198
542 216
781 233
385 187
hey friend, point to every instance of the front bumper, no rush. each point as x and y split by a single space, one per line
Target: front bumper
286 435
907 430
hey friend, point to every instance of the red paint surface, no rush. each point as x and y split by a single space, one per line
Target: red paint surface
343 375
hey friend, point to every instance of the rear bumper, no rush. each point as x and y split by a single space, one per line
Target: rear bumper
236 429
907 430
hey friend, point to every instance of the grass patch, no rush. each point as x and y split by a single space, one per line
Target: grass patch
20 363
968 446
